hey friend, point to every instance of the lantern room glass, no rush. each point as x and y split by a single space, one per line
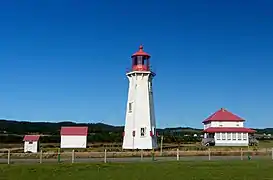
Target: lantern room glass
140 63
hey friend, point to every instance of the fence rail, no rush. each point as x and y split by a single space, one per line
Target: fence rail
9 157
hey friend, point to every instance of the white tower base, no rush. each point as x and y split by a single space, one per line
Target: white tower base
140 126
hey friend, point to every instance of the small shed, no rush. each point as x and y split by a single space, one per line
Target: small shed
31 143
74 137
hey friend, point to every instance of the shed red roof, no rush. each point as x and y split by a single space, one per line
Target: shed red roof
31 138
223 115
74 131
229 129
140 52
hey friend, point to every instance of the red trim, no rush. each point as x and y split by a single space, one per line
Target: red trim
140 67
229 129
31 138
223 115
151 133
74 131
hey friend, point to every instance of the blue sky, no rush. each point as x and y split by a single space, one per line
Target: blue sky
66 60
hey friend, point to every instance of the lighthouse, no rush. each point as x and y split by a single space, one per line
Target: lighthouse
140 125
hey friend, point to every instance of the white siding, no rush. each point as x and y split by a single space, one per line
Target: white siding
73 141
223 124
207 125
31 146
140 113
226 124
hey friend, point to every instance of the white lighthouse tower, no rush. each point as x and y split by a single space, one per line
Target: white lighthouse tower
140 126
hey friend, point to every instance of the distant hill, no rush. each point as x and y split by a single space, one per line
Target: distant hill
49 128
24 127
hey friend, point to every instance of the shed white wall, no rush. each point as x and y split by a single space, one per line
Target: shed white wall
223 124
31 146
141 114
73 141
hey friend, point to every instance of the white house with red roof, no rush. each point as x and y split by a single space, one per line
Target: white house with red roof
225 129
31 143
74 137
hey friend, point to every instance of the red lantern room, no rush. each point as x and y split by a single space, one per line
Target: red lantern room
140 60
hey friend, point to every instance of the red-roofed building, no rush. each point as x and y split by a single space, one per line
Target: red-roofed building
74 137
224 128
31 143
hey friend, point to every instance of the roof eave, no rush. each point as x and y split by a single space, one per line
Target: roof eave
242 120
218 129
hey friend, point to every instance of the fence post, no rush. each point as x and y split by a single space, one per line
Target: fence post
209 154
272 153
241 153
59 155
41 156
73 156
153 154
161 146
105 156
177 154
141 154
8 156
248 153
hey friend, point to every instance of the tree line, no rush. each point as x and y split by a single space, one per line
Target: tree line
13 132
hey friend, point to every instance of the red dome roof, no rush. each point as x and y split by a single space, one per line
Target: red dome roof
140 52
223 115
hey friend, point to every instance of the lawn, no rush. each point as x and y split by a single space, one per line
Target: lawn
212 170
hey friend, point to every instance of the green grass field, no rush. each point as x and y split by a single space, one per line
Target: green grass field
220 170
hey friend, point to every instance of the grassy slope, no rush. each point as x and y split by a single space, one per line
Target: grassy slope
225 170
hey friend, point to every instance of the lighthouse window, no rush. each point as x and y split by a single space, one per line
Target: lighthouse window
130 107
150 86
139 60
142 132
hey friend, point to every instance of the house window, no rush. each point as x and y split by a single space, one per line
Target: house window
224 136
228 136
239 136
244 136
30 142
220 124
233 136
142 132
217 136
130 107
